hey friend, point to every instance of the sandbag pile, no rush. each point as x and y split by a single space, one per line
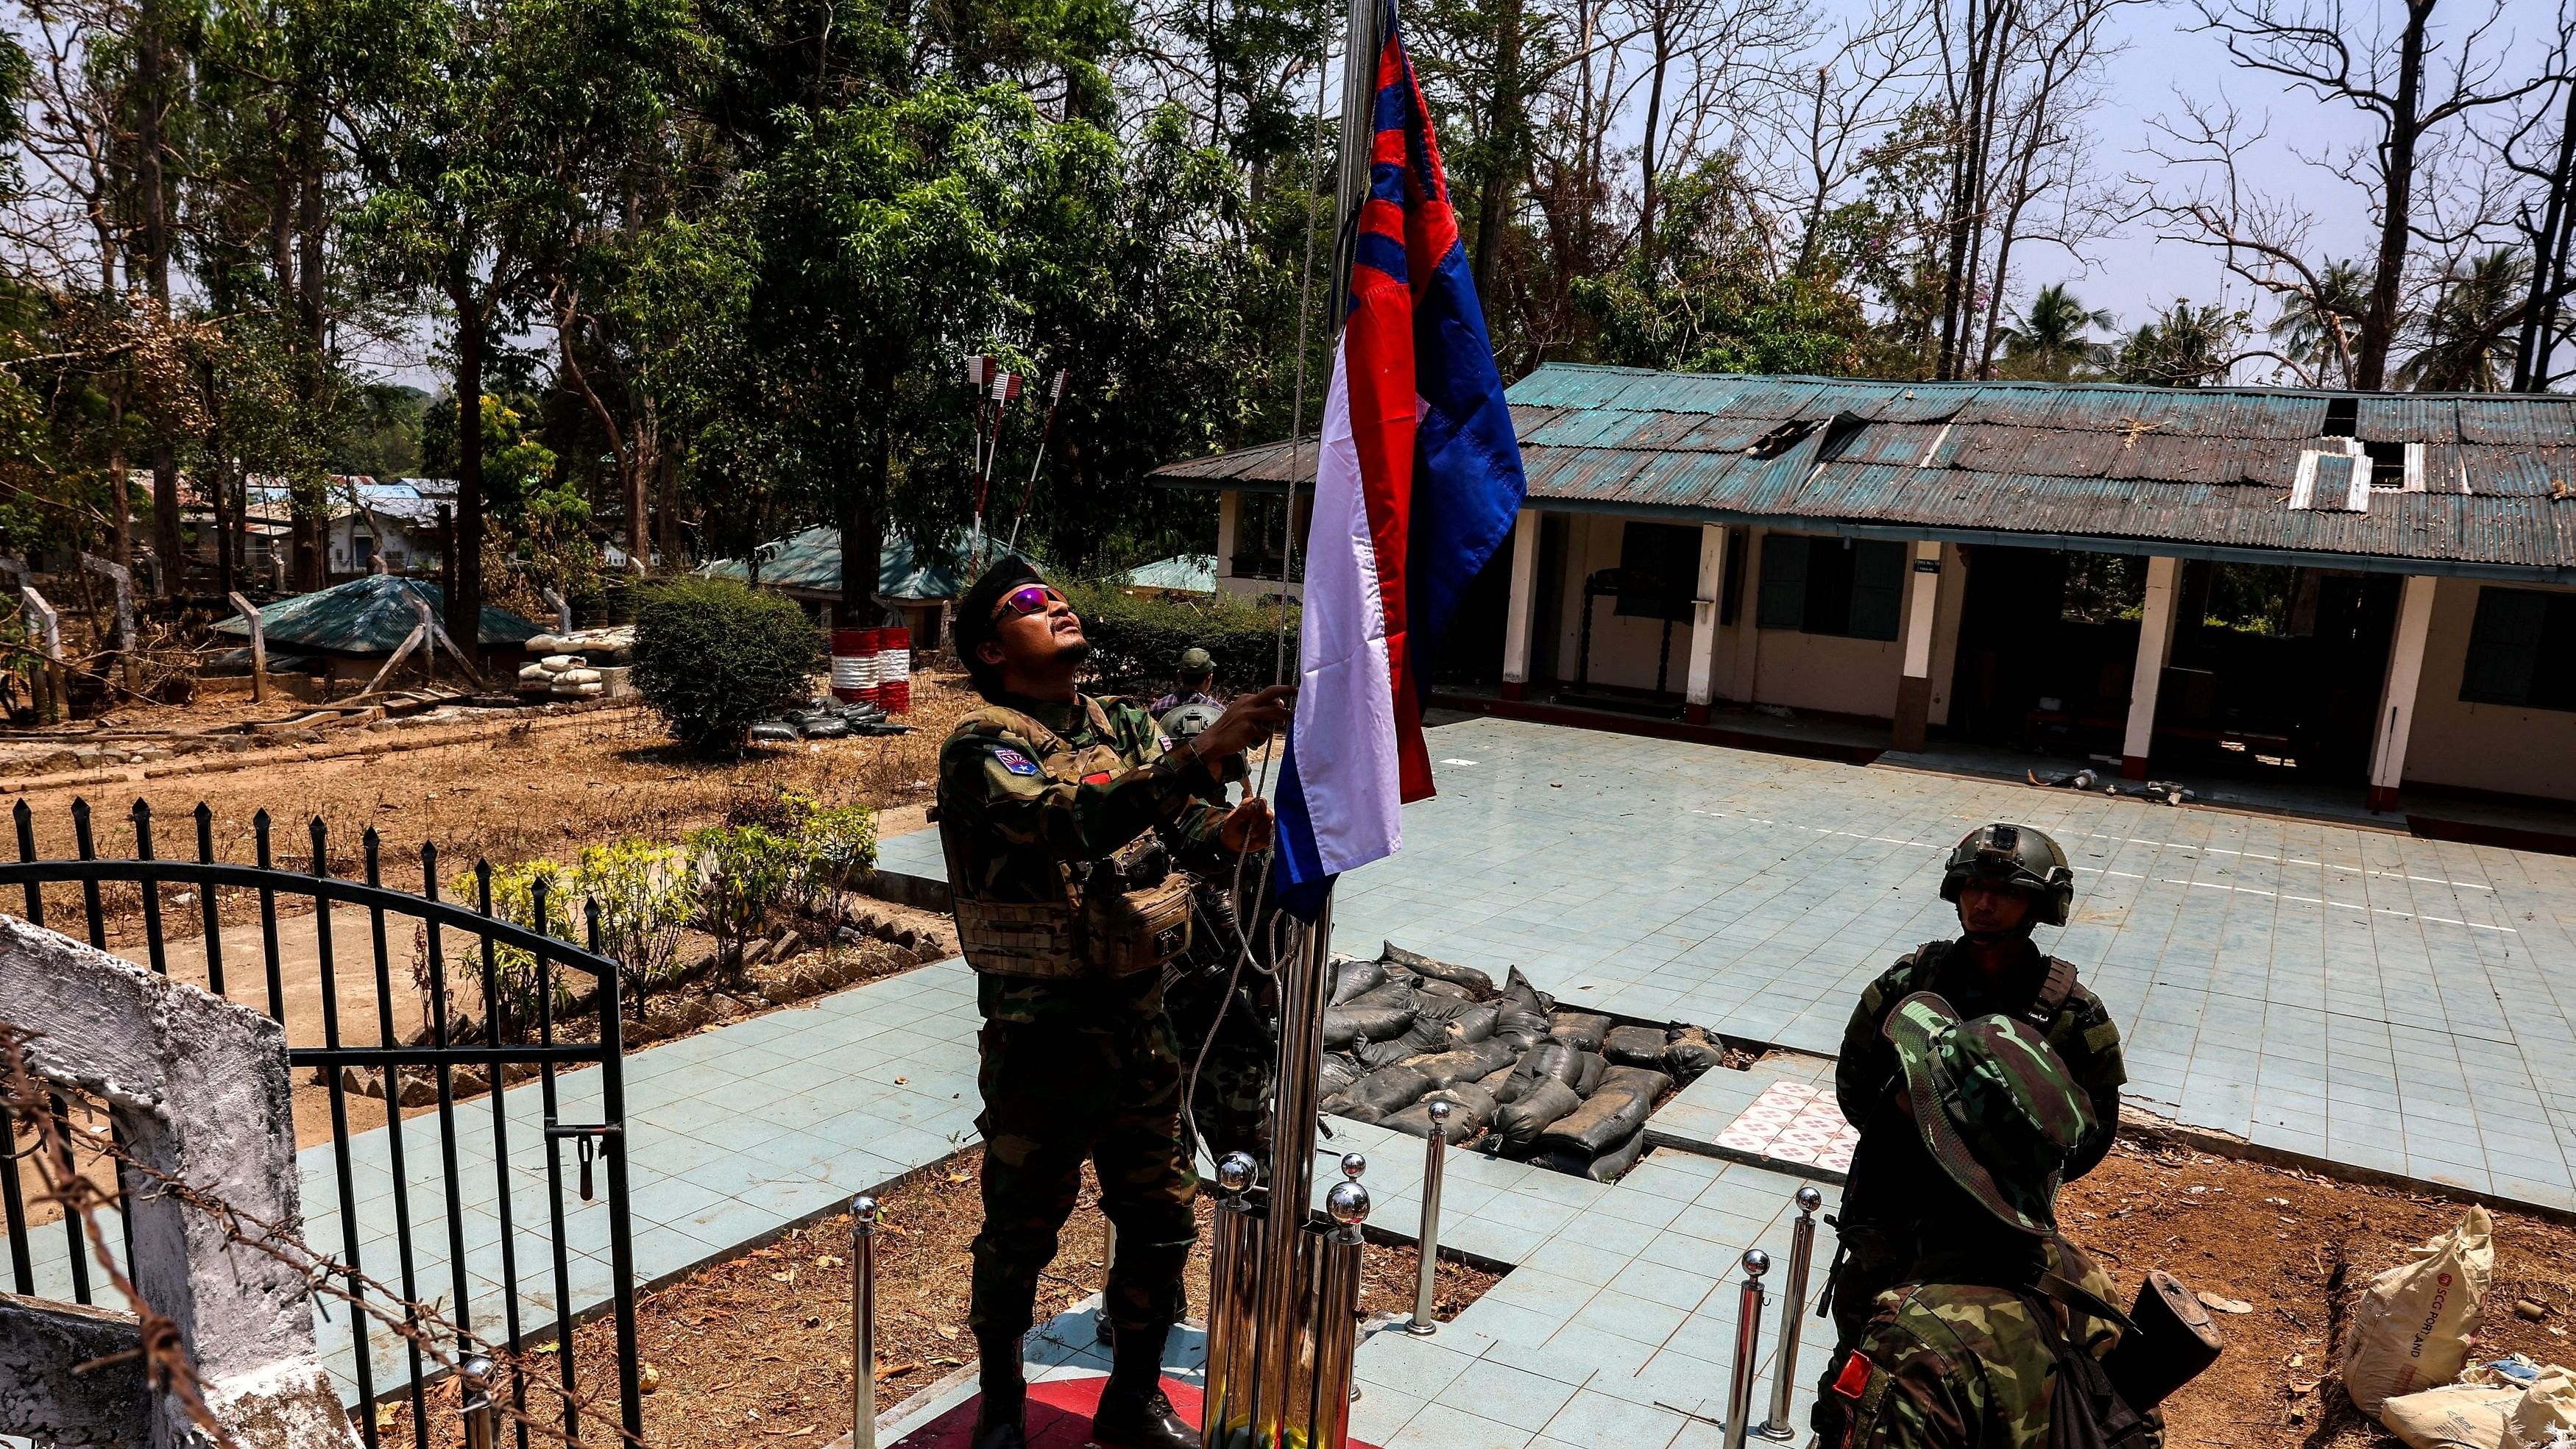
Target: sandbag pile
1526 1079
826 718
2406 1357
584 664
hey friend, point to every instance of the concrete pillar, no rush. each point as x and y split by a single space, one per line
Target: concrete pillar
2155 645
1522 624
1706 603
2397 692
1914 686
1229 525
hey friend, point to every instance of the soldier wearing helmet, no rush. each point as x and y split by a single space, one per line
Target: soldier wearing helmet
2006 881
2001 1327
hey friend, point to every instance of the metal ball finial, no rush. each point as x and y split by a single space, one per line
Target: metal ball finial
864 1208
1756 1262
1348 1204
1809 1199
1234 1173
1439 1112
1353 1165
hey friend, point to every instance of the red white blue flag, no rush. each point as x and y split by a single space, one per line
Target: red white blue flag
1417 484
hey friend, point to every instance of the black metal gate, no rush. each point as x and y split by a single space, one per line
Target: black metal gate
532 987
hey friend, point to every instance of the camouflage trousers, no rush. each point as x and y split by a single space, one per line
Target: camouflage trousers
1056 1097
1870 1259
1230 1101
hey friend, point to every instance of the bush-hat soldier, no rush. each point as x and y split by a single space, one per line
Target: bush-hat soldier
1197 680
1058 814
2000 1326
2005 880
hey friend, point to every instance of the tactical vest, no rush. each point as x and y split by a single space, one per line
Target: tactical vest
1086 932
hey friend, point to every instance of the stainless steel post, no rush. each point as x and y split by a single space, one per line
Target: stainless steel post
1793 1304
1108 1255
863 1322
1233 1261
475 1374
1337 1313
1435 1155
1748 1348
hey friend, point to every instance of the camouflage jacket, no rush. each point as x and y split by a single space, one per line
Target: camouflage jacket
1965 1366
1010 832
1891 1152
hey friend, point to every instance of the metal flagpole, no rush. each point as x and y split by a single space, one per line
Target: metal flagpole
1299 1324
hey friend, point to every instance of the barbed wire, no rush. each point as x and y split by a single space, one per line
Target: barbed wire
168 1369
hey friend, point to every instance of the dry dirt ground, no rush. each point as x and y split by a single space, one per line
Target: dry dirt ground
756 1351
2299 1249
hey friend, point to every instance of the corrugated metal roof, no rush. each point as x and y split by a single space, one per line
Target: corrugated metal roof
811 560
372 615
2108 464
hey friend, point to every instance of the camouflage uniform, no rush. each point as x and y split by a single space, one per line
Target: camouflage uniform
1078 1061
1963 1365
1231 1105
1879 1221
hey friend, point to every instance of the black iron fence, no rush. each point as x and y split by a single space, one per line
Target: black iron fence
541 1005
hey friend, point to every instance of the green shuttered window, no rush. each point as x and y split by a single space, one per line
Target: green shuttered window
2522 650
1850 588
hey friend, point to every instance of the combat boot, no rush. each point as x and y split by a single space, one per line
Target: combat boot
1001 1417
1134 1412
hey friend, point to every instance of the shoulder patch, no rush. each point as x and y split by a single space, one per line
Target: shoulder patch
1013 761
1855 1376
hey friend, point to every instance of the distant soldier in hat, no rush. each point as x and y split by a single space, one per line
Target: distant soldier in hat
2000 1326
1059 814
1196 680
2006 881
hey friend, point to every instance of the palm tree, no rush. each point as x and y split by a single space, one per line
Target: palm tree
2466 331
2318 327
2185 346
2048 340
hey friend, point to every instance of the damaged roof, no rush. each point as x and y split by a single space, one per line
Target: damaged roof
2413 482
370 615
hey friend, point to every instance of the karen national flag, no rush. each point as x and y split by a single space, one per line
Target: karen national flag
1418 481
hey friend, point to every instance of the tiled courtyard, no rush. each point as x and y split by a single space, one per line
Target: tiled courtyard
2357 995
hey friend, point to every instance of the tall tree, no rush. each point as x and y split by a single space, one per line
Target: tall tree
492 131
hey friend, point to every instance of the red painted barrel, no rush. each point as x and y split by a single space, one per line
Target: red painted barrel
854 665
894 670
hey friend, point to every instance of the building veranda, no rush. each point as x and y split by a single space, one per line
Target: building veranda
2357 591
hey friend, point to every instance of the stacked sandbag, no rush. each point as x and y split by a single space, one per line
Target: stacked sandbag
584 664
1568 1089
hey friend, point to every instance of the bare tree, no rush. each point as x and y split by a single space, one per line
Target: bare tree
1852 100
2408 87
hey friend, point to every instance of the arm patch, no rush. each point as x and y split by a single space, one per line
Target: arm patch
1014 761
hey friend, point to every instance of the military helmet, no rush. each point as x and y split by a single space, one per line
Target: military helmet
2017 858
1195 662
1995 1105
1181 725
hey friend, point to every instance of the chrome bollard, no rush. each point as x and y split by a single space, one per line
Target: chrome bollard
482 1431
1435 1154
1793 1303
1748 1347
863 1322
1354 1166
1108 1255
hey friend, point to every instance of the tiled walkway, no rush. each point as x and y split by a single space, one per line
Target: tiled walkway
2366 997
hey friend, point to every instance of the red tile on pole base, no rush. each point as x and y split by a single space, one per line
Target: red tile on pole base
1059 1415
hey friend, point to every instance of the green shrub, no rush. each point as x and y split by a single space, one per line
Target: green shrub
647 894
743 873
1137 641
714 657
835 845
514 969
